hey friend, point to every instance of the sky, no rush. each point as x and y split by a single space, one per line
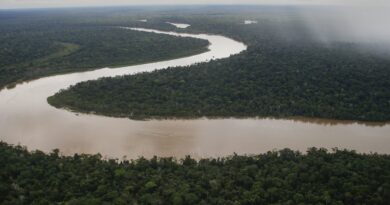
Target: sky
10 4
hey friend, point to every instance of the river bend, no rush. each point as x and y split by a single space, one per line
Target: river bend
27 119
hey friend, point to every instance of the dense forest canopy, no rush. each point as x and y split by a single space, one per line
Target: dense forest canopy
278 177
285 72
35 45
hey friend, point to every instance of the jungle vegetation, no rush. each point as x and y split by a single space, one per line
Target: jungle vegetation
277 177
285 72
35 45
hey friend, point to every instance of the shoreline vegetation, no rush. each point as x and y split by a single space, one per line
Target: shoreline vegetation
300 119
285 176
205 90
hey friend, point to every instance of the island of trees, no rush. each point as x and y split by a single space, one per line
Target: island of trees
277 177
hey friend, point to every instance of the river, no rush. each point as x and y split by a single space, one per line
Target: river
27 119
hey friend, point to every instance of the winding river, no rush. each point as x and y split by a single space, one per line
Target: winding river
27 119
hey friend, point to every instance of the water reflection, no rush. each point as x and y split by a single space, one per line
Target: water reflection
332 122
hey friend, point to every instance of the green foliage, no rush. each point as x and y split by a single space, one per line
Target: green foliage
40 47
278 177
279 75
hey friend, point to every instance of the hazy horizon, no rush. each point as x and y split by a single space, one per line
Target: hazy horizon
24 4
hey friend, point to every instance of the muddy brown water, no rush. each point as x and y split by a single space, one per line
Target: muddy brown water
27 119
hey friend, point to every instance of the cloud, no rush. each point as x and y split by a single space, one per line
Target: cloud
359 21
